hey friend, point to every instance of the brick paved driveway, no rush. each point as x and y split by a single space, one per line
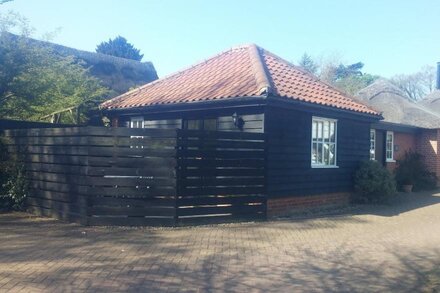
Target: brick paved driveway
378 249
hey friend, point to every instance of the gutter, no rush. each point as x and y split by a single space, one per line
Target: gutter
254 101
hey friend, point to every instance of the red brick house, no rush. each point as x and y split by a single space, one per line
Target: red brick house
406 126
316 135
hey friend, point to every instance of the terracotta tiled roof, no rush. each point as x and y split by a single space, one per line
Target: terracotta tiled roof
245 71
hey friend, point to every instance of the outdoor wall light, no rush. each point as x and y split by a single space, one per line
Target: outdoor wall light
238 121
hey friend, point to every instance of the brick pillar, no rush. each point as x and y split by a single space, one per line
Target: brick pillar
428 146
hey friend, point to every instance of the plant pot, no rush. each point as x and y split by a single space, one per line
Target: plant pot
407 188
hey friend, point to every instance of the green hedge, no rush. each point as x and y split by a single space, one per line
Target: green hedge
373 183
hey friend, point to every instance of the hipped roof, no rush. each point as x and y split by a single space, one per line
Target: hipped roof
244 71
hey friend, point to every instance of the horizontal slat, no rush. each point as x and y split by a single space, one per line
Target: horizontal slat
56 168
121 131
121 182
127 152
222 191
132 211
210 210
220 134
221 154
132 221
58 187
70 131
226 144
55 177
150 142
136 202
221 163
133 162
205 220
160 171
56 159
213 172
131 191
49 140
217 200
207 181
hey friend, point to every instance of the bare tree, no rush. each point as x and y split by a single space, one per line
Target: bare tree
416 85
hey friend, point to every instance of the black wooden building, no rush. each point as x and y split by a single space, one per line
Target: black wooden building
315 135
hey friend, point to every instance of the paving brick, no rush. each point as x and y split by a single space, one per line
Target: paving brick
377 249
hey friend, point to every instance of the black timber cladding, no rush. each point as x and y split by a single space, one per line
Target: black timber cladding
289 171
287 125
252 116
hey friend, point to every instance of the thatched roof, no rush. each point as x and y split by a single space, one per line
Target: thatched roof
395 107
118 74
432 101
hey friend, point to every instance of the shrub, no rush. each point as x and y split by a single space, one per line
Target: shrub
13 184
373 183
411 170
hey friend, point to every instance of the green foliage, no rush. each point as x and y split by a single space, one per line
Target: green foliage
13 183
348 78
373 183
344 71
351 84
306 62
119 47
35 82
411 170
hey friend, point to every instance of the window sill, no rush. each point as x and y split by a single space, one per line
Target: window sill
324 167
390 161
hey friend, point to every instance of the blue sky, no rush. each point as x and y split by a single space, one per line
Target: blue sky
390 37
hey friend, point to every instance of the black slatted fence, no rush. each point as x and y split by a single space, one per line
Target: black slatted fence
120 176
221 176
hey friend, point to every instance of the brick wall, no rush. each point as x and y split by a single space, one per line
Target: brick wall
286 205
403 142
428 146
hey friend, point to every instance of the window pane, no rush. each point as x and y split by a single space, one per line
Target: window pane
319 131
314 153
332 154
326 131
319 159
193 124
326 150
210 124
314 130
332 132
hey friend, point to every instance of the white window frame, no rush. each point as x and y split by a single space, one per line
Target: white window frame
317 165
388 159
134 120
373 144
137 119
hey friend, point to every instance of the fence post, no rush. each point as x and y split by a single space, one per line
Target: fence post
84 198
178 177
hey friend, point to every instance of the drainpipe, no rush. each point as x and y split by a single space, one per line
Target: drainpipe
438 75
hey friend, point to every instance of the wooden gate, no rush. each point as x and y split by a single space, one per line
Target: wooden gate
220 176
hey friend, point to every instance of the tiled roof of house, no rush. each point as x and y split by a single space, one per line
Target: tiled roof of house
245 71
